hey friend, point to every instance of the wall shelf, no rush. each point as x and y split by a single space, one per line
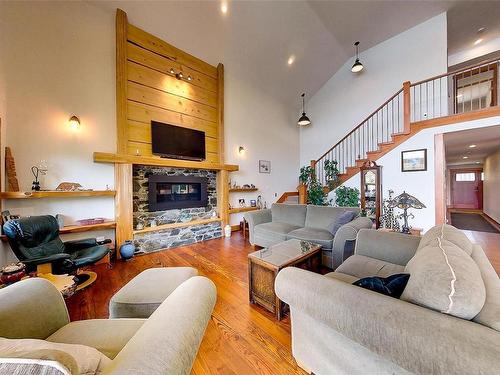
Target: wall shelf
232 190
55 194
238 210
177 225
103 157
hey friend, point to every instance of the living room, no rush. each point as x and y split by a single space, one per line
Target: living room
96 98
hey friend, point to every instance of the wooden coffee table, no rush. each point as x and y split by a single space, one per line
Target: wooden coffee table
264 265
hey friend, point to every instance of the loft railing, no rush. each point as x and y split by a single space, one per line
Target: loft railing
466 90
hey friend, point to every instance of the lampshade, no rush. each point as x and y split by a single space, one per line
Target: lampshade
357 67
303 120
406 200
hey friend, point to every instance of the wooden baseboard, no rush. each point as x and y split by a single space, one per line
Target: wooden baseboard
492 221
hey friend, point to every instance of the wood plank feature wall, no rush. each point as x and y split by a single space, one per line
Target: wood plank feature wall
148 91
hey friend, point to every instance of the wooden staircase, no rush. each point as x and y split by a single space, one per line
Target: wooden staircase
416 106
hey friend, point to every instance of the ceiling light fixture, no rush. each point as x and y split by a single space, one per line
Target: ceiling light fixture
472 146
291 60
465 157
224 8
481 29
303 120
478 41
357 67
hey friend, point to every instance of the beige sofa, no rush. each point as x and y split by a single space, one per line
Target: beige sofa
339 328
305 222
165 343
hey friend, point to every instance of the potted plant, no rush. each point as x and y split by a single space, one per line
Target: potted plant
347 197
306 176
316 194
331 174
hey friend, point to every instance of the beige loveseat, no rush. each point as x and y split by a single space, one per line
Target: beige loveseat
339 328
165 343
305 222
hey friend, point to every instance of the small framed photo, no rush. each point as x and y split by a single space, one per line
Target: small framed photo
253 203
264 166
241 202
414 160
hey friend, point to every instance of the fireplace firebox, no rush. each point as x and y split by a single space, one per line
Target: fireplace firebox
173 192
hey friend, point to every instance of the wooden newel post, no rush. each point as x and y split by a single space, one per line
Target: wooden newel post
406 106
302 194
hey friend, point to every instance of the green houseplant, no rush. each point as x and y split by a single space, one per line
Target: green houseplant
315 192
331 173
347 197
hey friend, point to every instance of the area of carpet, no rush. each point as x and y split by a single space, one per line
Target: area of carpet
471 221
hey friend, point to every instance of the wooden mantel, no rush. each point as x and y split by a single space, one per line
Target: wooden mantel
103 157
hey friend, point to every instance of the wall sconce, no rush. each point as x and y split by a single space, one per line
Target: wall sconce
74 122
180 75
241 150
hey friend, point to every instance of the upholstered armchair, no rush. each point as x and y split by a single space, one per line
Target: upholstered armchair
35 241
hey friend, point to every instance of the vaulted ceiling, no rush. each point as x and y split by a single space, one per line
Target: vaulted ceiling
256 38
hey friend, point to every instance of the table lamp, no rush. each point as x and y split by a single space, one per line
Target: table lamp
405 201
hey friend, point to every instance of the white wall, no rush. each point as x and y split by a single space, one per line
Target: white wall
58 59
474 52
419 184
491 183
347 98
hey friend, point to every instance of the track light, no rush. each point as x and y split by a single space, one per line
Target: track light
180 75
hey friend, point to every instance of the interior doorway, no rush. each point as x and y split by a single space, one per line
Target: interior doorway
466 188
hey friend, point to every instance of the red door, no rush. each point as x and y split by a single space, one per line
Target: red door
467 188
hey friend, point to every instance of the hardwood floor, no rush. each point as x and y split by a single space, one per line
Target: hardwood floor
240 338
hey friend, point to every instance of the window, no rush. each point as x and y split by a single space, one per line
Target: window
462 177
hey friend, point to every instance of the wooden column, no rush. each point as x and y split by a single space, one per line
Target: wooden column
123 204
220 110
439 179
223 196
406 107
121 81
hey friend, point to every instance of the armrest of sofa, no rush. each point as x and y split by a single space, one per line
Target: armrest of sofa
31 309
346 232
167 343
397 248
255 218
418 339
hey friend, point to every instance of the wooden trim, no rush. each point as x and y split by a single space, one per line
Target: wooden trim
238 210
302 190
439 179
287 195
406 107
176 225
232 190
492 221
103 157
220 110
56 194
121 81
123 204
461 117
223 196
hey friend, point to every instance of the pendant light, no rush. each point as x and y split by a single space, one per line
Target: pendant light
357 67
303 120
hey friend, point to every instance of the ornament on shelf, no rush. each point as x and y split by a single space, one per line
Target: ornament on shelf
10 169
388 220
69 186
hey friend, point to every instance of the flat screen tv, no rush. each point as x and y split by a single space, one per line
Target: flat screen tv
170 141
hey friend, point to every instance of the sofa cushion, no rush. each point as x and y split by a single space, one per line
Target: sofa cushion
446 232
109 336
323 216
349 279
446 279
391 286
490 313
346 217
78 359
362 266
293 214
320 236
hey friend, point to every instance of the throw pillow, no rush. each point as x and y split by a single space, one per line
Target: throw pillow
344 218
390 286
78 359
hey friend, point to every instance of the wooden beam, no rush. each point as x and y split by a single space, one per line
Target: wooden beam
461 117
123 204
121 80
103 157
220 110
406 107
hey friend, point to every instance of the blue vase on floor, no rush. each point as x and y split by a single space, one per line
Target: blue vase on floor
127 250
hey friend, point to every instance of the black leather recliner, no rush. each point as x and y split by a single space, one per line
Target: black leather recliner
35 240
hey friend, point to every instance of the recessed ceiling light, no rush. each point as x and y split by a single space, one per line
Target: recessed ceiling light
481 29
224 7
291 60
477 162
465 157
472 146
478 41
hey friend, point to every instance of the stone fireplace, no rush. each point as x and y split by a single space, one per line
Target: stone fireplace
167 195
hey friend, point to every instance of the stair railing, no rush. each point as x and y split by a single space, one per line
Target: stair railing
451 93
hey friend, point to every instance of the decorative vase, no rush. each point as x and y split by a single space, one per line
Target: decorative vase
127 250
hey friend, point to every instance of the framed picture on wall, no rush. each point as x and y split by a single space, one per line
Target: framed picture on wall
414 160
264 166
